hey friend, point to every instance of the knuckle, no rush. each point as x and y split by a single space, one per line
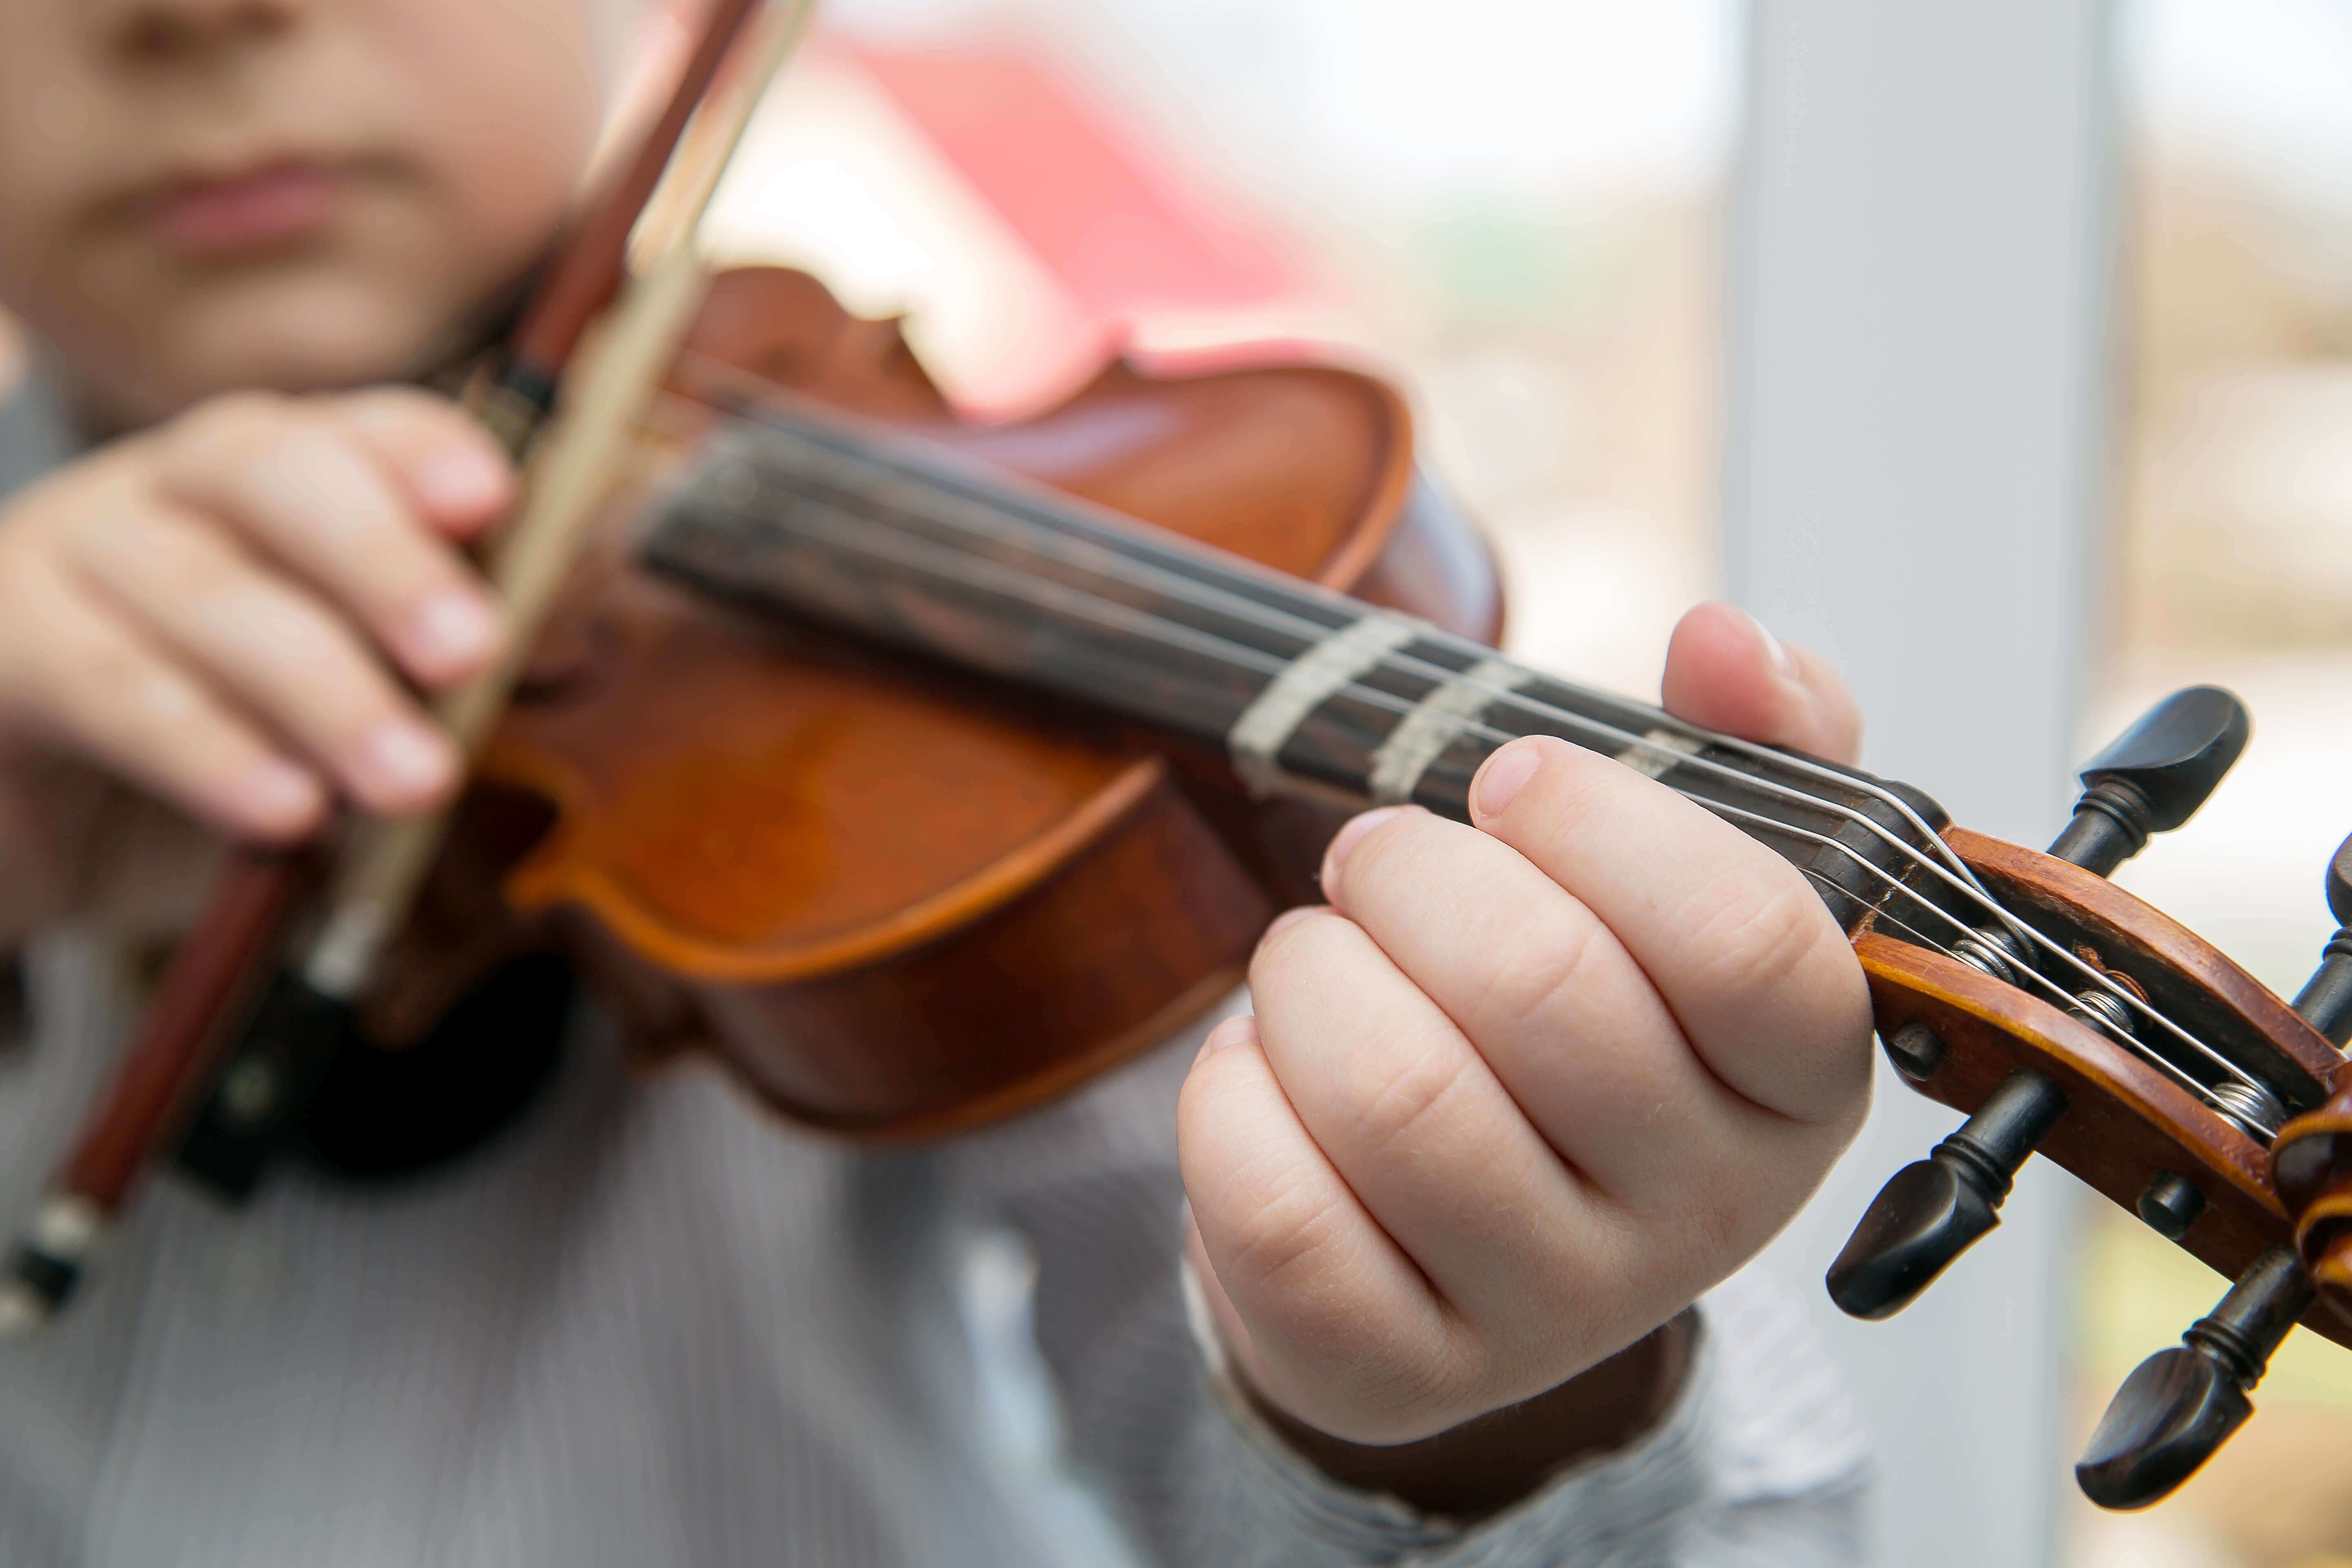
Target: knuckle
311 461
135 552
1570 785
194 564
1402 1388
157 712
1369 862
1541 976
110 666
370 403
1388 1370
1298 950
192 446
281 625
1401 861
340 708
1720 1215
396 412
1732 1200
1749 943
1393 1110
1288 1238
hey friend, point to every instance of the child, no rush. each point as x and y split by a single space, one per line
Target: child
1507 1109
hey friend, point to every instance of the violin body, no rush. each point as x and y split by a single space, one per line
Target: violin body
898 902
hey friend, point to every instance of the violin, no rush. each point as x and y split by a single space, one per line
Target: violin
920 770
899 902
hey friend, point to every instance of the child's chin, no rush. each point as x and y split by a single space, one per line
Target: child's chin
303 337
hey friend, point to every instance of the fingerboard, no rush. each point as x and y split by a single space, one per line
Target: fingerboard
1309 692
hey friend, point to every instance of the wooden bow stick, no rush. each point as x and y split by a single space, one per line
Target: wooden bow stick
569 475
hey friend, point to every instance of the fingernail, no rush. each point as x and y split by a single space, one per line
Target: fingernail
454 625
1506 773
1239 1029
282 796
461 479
1344 842
1783 661
408 758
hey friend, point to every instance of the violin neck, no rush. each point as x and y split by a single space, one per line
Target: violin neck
1307 691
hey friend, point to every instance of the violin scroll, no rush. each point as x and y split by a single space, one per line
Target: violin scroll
2070 1018
2151 779
2314 1172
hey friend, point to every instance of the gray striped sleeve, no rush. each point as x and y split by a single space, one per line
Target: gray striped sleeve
1694 1490
1760 1462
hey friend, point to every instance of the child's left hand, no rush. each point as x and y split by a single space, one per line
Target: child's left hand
1525 1090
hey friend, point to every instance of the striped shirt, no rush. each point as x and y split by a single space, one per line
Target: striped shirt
651 1324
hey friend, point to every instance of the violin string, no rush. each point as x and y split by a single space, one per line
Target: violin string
1026 588
853 533
2056 994
1880 912
994 521
2099 978
993 518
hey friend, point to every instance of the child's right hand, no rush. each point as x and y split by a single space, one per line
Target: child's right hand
215 610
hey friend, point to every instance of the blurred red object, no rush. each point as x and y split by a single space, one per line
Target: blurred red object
1125 232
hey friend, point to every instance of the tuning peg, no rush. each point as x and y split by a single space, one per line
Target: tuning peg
2180 1404
2154 776
1932 1210
2325 1003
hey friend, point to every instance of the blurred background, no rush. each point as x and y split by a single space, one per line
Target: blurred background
1531 213
2230 555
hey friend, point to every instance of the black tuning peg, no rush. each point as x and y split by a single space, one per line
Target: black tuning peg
2154 776
2180 1404
1934 1209
2325 1003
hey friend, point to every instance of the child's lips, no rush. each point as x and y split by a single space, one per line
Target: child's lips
263 207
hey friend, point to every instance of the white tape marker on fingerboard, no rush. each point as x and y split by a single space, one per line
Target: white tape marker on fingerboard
1436 723
1308 682
1659 752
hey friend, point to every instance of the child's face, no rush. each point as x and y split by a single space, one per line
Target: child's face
201 195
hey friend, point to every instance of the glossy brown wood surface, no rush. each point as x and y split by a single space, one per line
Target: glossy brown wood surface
2126 1122
150 1087
2182 975
897 903
2311 1167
